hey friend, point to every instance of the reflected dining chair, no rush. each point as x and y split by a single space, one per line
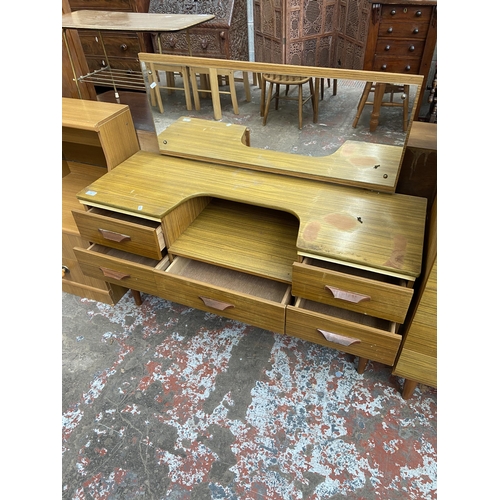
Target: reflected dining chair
286 80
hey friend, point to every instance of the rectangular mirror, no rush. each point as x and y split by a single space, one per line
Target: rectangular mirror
341 140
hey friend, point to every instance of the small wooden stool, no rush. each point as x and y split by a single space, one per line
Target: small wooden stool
213 84
379 89
287 80
170 70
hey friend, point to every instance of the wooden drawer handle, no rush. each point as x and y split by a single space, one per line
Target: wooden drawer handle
110 273
112 236
216 304
338 339
348 296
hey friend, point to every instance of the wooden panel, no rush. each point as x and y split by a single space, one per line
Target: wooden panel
243 297
142 237
375 343
385 300
255 240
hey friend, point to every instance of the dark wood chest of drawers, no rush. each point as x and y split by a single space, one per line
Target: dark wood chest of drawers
224 37
121 47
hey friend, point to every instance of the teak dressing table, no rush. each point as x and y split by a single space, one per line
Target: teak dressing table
332 264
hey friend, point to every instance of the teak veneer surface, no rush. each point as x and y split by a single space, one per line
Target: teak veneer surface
131 21
361 227
355 163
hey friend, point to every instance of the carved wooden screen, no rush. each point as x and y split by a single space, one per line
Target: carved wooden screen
352 30
294 31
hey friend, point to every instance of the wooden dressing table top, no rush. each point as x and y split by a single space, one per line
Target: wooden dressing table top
131 21
365 228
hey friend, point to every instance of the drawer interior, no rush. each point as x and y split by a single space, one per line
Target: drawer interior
354 271
230 279
344 314
130 257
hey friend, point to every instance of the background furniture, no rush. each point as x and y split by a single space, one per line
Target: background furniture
392 35
300 32
117 22
417 359
224 37
121 47
286 81
96 138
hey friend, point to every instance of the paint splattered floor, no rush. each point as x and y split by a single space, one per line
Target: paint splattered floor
163 401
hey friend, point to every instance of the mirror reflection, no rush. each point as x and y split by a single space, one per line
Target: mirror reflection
345 109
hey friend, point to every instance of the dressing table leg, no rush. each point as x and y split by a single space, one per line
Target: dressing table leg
362 362
408 387
137 297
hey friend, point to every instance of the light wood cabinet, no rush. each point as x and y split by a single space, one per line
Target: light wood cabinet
286 254
96 137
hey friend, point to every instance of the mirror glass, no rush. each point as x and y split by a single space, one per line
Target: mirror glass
336 114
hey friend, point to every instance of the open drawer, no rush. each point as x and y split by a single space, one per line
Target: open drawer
354 333
247 298
122 268
358 290
124 232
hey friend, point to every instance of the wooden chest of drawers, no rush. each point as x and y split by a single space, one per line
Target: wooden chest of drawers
224 37
121 47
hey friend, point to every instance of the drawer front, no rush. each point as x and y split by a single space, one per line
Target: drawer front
411 49
406 13
204 43
120 5
359 340
239 306
408 65
144 238
111 266
367 296
124 44
95 63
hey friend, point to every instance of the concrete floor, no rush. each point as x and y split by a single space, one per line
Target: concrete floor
163 401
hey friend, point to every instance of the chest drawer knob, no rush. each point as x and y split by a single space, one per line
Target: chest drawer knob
412 48
347 296
415 31
384 66
393 12
111 273
387 47
338 339
418 13
204 43
112 236
216 304
407 68
124 46
389 30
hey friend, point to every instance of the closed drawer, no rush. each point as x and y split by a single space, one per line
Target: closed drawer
122 268
406 13
407 65
346 331
124 44
357 290
400 48
250 299
121 5
121 231
204 43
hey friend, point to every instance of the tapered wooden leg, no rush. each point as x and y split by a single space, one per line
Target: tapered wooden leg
408 387
377 104
137 297
362 102
362 362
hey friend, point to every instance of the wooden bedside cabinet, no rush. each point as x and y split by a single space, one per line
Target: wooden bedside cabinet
97 136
